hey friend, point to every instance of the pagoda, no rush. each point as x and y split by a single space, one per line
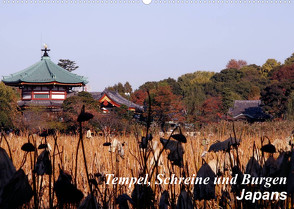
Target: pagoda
44 83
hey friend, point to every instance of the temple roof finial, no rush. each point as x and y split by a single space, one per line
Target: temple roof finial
45 50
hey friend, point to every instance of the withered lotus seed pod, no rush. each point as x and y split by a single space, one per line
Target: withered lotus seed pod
28 147
179 137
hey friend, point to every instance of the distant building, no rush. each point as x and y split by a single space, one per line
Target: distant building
44 84
249 110
110 99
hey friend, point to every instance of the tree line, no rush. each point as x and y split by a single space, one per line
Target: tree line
207 96
198 97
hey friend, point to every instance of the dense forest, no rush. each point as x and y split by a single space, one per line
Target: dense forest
199 97
206 96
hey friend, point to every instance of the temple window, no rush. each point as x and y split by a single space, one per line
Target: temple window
41 95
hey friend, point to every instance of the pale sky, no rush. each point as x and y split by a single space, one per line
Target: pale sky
114 43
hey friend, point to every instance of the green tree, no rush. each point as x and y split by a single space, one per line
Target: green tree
289 60
202 77
73 103
68 64
275 98
119 87
228 97
122 89
8 107
228 76
254 93
150 85
193 99
176 89
128 88
268 66
198 78
229 81
193 86
253 75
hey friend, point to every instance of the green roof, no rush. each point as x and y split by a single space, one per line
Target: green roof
44 71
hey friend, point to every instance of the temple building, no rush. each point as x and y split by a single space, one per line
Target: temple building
44 84
248 110
112 99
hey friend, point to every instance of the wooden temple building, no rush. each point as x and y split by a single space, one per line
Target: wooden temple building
44 84
248 110
112 99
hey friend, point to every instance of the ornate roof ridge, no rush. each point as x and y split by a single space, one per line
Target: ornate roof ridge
44 71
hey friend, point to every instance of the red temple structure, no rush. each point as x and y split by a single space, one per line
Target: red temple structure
44 83
111 99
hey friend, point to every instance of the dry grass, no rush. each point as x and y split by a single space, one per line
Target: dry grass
101 160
